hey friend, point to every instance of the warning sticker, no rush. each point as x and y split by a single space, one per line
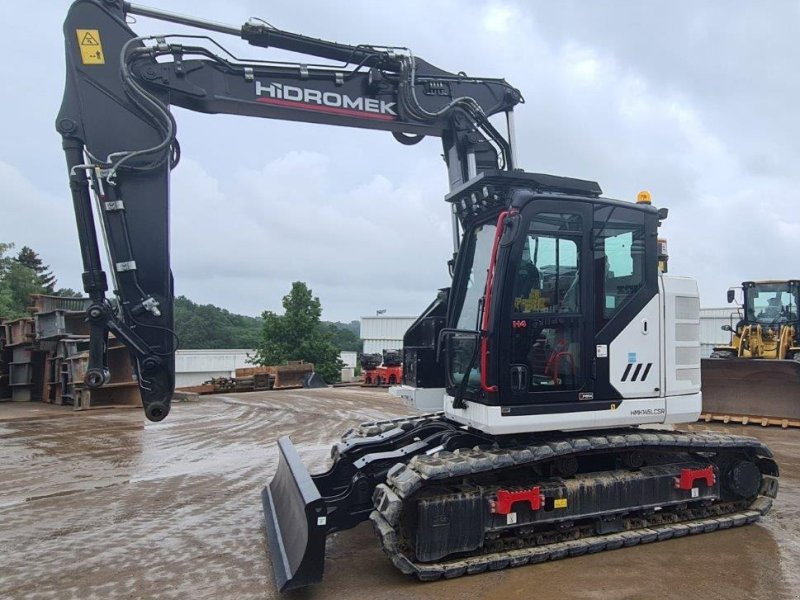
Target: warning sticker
560 503
91 46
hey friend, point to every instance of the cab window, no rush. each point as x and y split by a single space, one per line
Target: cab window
547 277
619 254
547 326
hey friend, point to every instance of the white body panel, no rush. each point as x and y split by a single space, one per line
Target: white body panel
684 409
681 336
490 420
421 399
635 354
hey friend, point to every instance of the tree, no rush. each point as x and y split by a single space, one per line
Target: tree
29 258
345 336
298 334
68 293
17 282
207 326
21 276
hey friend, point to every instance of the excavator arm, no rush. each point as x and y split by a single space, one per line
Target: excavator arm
120 141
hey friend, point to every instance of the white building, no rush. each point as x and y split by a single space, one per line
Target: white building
193 367
384 333
711 322
348 358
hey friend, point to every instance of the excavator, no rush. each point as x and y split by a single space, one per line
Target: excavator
755 378
542 364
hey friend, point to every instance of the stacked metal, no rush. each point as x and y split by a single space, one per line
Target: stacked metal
47 355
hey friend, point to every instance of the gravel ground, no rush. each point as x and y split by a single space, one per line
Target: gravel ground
102 504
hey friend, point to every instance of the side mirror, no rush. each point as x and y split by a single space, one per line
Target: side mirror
446 337
731 295
726 328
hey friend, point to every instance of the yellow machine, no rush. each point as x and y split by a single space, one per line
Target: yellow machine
756 377
769 328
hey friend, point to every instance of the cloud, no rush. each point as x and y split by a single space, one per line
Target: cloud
42 221
498 18
357 245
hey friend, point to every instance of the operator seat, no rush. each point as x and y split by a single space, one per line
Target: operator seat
773 312
529 277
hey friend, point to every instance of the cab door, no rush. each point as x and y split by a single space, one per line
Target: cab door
547 325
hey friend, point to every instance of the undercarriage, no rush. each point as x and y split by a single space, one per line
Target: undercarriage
446 501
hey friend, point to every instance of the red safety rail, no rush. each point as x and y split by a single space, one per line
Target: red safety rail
506 499
689 476
487 302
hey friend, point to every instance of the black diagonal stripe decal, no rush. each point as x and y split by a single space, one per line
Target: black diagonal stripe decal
636 371
646 371
627 370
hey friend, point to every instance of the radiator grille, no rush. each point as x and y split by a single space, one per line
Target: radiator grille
687 332
687 355
687 308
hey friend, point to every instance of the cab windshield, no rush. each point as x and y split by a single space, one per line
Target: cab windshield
772 303
463 347
480 252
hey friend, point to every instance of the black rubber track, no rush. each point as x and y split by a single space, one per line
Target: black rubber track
404 480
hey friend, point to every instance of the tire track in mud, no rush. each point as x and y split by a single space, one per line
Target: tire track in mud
171 509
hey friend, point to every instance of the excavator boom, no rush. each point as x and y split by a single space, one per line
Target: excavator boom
120 141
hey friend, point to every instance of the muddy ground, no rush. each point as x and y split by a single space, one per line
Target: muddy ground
105 505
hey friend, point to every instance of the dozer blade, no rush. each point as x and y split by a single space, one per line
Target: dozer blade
751 390
295 517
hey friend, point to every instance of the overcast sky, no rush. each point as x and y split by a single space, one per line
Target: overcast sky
696 102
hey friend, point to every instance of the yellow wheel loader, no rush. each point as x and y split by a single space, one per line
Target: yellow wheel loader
756 378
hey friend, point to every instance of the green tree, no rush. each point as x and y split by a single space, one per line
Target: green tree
29 258
17 283
68 293
298 334
345 336
207 326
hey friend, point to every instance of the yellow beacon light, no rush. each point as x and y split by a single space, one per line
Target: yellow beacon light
643 197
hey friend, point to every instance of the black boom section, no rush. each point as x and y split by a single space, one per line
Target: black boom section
96 120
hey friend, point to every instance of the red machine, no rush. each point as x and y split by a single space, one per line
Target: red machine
382 369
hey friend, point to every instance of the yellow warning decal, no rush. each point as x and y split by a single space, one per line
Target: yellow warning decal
91 47
560 503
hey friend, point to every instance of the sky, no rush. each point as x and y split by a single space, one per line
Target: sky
695 102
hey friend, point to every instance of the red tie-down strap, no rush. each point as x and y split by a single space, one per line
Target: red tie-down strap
689 476
506 499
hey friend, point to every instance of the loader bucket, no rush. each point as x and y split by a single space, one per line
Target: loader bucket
751 390
295 517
